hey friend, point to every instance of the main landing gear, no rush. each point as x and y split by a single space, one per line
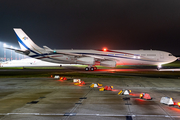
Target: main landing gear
90 68
159 67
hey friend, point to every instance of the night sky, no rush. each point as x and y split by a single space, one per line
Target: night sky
94 24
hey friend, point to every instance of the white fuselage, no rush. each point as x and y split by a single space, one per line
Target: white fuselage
122 57
107 58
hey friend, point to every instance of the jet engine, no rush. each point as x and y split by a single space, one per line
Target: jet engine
85 60
108 63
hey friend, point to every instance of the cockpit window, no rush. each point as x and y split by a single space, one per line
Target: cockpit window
170 55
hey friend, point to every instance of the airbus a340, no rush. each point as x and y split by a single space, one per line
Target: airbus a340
107 58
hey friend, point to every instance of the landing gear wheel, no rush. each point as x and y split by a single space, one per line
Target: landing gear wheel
87 69
158 68
92 68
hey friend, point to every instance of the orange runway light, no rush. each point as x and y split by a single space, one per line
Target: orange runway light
178 104
141 95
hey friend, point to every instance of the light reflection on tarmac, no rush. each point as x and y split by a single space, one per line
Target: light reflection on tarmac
57 99
119 70
133 70
98 70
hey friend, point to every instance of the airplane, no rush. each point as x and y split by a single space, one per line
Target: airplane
93 57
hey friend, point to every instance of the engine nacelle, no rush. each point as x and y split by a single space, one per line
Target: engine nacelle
108 63
85 60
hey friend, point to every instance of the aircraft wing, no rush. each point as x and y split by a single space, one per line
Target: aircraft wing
66 53
97 58
47 49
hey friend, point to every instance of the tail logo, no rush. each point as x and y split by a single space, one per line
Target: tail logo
25 38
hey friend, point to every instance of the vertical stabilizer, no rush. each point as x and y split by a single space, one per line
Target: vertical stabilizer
25 42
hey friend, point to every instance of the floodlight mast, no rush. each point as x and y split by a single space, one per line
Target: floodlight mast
15 55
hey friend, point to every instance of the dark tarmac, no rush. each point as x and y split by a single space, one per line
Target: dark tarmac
48 98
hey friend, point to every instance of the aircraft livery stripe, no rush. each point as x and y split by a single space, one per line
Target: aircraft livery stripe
40 56
117 57
25 45
37 54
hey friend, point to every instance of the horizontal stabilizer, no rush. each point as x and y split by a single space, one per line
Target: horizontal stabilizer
25 52
47 48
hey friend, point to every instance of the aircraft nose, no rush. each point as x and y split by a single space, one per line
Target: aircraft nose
175 58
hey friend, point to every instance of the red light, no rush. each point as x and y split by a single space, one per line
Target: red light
104 49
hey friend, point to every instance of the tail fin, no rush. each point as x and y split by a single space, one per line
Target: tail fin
25 42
